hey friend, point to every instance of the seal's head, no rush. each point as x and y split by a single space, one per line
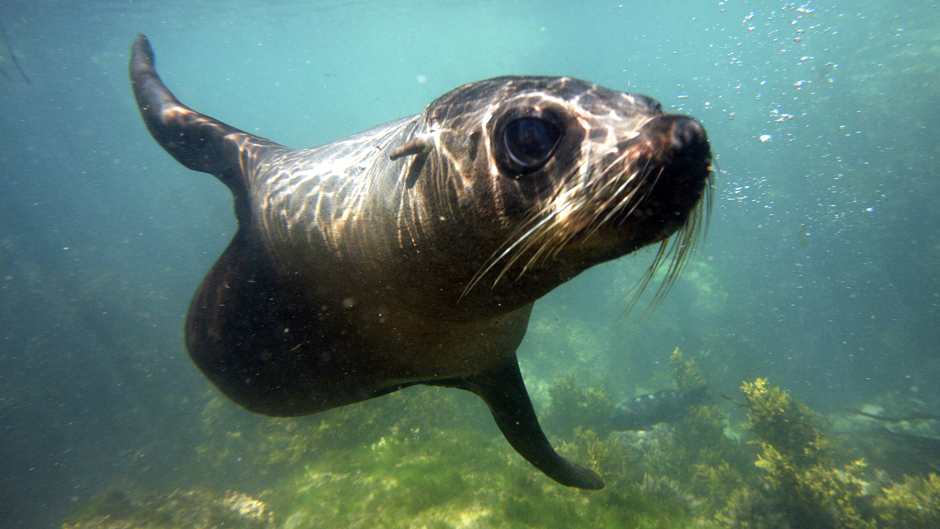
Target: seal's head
566 174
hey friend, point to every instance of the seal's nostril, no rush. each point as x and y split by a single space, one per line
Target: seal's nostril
687 133
679 135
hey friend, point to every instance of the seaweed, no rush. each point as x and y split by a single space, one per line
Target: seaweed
574 406
784 424
914 504
685 372
803 485
800 478
606 456
718 464
430 457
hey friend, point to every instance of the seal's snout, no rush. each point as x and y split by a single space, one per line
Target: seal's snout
682 137
679 148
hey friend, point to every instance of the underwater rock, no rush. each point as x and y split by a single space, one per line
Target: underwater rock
665 405
178 509
901 442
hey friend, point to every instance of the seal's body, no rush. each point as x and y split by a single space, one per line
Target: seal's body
413 252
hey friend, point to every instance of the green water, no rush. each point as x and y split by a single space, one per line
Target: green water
819 271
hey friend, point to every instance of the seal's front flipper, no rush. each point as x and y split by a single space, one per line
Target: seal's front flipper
199 142
505 393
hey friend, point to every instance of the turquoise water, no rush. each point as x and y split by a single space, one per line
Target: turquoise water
820 269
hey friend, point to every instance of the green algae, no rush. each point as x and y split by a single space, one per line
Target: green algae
263 446
431 458
462 478
431 466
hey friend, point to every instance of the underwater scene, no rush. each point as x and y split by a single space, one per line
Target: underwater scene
767 357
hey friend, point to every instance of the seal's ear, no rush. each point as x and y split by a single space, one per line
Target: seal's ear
420 145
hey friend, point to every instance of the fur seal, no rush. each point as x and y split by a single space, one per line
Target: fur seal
412 253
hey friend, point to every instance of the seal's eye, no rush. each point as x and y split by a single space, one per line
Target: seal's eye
530 142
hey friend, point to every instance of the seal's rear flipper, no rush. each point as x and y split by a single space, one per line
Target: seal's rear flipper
199 142
505 394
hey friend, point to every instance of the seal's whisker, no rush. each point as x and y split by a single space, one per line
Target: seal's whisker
633 199
517 235
581 207
545 240
640 175
558 238
493 260
520 251
567 204
541 233
682 245
677 250
620 203
637 290
532 259
705 208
